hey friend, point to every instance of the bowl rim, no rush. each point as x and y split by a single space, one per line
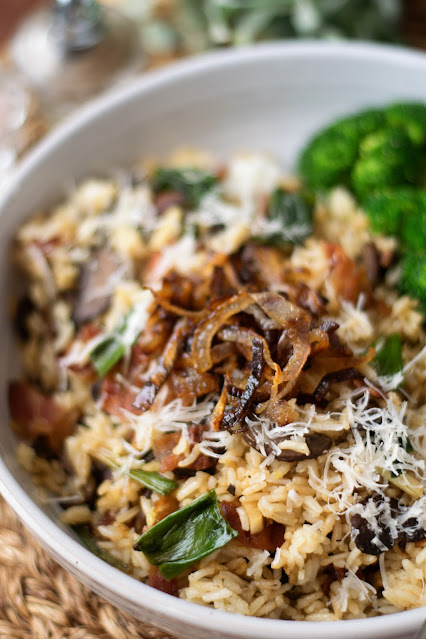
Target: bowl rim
103 577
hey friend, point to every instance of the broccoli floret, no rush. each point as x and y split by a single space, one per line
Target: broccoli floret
413 226
373 149
328 158
386 209
400 212
411 117
388 158
413 277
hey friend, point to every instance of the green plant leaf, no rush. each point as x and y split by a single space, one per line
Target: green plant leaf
85 534
115 345
186 536
289 219
149 479
192 183
388 359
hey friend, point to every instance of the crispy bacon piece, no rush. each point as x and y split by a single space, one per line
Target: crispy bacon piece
333 573
164 445
117 397
347 278
166 505
156 580
37 415
270 538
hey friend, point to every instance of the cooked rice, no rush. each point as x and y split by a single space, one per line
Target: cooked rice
308 497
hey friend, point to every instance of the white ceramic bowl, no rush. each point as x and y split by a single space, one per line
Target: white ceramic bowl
269 97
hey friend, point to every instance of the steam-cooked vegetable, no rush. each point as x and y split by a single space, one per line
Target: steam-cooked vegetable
387 209
413 227
413 278
186 536
329 157
411 117
381 156
387 158
369 150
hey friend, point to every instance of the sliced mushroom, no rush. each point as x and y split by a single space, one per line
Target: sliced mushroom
371 261
316 442
378 522
373 524
412 531
94 291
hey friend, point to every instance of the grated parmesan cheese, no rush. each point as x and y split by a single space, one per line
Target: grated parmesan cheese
352 587
380 438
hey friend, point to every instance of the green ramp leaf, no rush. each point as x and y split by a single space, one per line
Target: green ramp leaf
148 478
186 536
388 359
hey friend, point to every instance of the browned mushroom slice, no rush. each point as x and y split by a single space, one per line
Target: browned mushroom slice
370 259
316 442
95 289
374 524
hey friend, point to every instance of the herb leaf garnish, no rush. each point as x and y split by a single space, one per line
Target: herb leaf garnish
289 219
186 536
388 359
149 479
85 534
115 345
192 183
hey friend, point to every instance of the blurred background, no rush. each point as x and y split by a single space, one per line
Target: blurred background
178 27
56 54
